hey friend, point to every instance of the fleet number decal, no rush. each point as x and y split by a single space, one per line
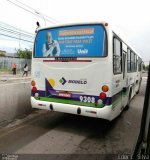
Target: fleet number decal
87 99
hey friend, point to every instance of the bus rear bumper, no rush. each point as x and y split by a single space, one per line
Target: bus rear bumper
104 113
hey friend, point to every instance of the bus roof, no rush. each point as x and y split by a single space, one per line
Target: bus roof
72 24
112 28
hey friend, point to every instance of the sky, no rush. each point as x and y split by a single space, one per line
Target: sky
130 16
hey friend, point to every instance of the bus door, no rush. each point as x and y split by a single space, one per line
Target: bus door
125 78
118 75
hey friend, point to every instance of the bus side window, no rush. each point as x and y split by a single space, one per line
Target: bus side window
135 64
129 61
117 56
139 64
132 62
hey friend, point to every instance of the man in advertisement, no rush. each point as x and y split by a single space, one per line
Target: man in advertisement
51 47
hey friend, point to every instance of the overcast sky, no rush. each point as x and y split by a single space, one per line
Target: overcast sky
130 16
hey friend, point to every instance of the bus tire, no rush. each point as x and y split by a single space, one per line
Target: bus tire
129 100
139 87
137 91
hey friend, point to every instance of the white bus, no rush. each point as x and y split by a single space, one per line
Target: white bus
84 69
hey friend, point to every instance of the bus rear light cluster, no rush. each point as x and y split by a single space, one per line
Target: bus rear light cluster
103 95
34 89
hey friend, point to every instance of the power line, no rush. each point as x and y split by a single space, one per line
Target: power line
15 32
24 9
14 28
15 37
36 13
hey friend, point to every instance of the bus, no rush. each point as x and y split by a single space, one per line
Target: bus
84 69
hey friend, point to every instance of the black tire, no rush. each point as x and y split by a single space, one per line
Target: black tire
127 106
137 91
139 88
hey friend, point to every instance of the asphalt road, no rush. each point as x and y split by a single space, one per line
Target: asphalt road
45 132
9 78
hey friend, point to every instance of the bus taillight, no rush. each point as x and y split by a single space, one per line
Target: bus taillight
105 88
33 83
34 89
102 95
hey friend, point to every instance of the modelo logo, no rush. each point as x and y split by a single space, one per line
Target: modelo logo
63 81
77 81
82 51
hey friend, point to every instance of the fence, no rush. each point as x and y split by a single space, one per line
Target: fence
7 62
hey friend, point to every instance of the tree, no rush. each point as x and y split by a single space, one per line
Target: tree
2 53
24 53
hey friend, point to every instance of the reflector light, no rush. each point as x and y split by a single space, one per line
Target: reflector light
34 89
105 88
41 104
106 24
33 83
93 112
100 102
102 95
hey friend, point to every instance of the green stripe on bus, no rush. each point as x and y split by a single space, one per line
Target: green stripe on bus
66 101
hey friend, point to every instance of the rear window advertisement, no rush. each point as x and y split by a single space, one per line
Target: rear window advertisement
75 41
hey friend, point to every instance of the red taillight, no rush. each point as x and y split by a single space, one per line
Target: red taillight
34 89
102 95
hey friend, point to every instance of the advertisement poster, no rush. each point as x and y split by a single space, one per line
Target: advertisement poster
75 41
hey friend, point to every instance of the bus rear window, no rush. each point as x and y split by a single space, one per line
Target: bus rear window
74 41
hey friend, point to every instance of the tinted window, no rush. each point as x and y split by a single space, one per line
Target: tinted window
129 61
132 62
139 64
135 63
117 53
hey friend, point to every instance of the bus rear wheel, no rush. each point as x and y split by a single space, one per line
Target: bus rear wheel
139 87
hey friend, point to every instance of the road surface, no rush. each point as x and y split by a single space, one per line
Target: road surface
46 132
6 78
